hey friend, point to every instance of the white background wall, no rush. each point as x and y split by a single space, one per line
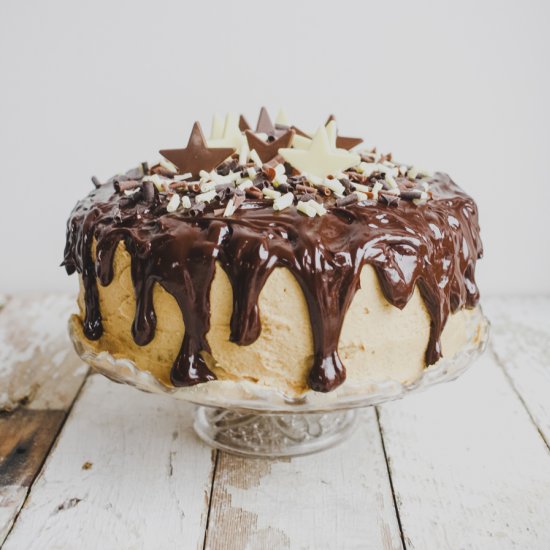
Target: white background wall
95 87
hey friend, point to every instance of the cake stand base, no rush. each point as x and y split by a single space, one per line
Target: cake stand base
272 435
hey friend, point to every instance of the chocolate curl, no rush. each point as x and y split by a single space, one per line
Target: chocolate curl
161 171
306 189
345 201
253 193
122 186
179 185
410 195
149 192
390 200
269 172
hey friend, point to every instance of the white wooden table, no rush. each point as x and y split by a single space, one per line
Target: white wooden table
86 463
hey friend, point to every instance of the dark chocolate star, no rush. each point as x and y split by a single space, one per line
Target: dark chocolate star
197 155
268 149
346 143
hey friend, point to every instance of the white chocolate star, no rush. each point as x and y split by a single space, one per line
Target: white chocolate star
301 142
281 118
217 128
231 137
332 132
320 158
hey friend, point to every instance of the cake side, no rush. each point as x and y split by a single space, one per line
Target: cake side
378 341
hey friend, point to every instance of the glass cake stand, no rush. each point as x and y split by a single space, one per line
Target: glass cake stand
246 419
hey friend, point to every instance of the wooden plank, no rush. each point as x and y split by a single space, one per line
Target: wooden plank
38 366
521 342
469 469
25 438
340 498
127 472
40 376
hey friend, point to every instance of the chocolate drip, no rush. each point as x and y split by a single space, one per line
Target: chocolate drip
434 247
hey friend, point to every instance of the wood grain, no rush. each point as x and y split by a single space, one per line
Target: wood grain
468 466
127 472
38 366
521 343
25 439
340 498
40 376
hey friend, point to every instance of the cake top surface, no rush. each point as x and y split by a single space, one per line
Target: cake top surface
278 165
276 197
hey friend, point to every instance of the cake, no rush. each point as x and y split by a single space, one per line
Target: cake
296 262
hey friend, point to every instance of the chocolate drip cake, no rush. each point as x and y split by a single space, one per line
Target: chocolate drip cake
294 262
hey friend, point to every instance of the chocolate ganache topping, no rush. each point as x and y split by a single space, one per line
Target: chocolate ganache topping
413 228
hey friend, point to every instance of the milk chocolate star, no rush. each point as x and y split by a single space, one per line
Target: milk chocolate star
268 149
197 155
265 126
341 141
243 124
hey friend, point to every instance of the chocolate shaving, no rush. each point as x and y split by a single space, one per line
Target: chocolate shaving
125 185
253 193
197 208
161 171
410 195
390 200
269 172
284 187
149 192
306 189
296 180
180 185
224 191
223 169
346 183
349 199
96 182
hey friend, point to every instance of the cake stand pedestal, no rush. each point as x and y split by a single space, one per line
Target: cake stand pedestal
272 435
